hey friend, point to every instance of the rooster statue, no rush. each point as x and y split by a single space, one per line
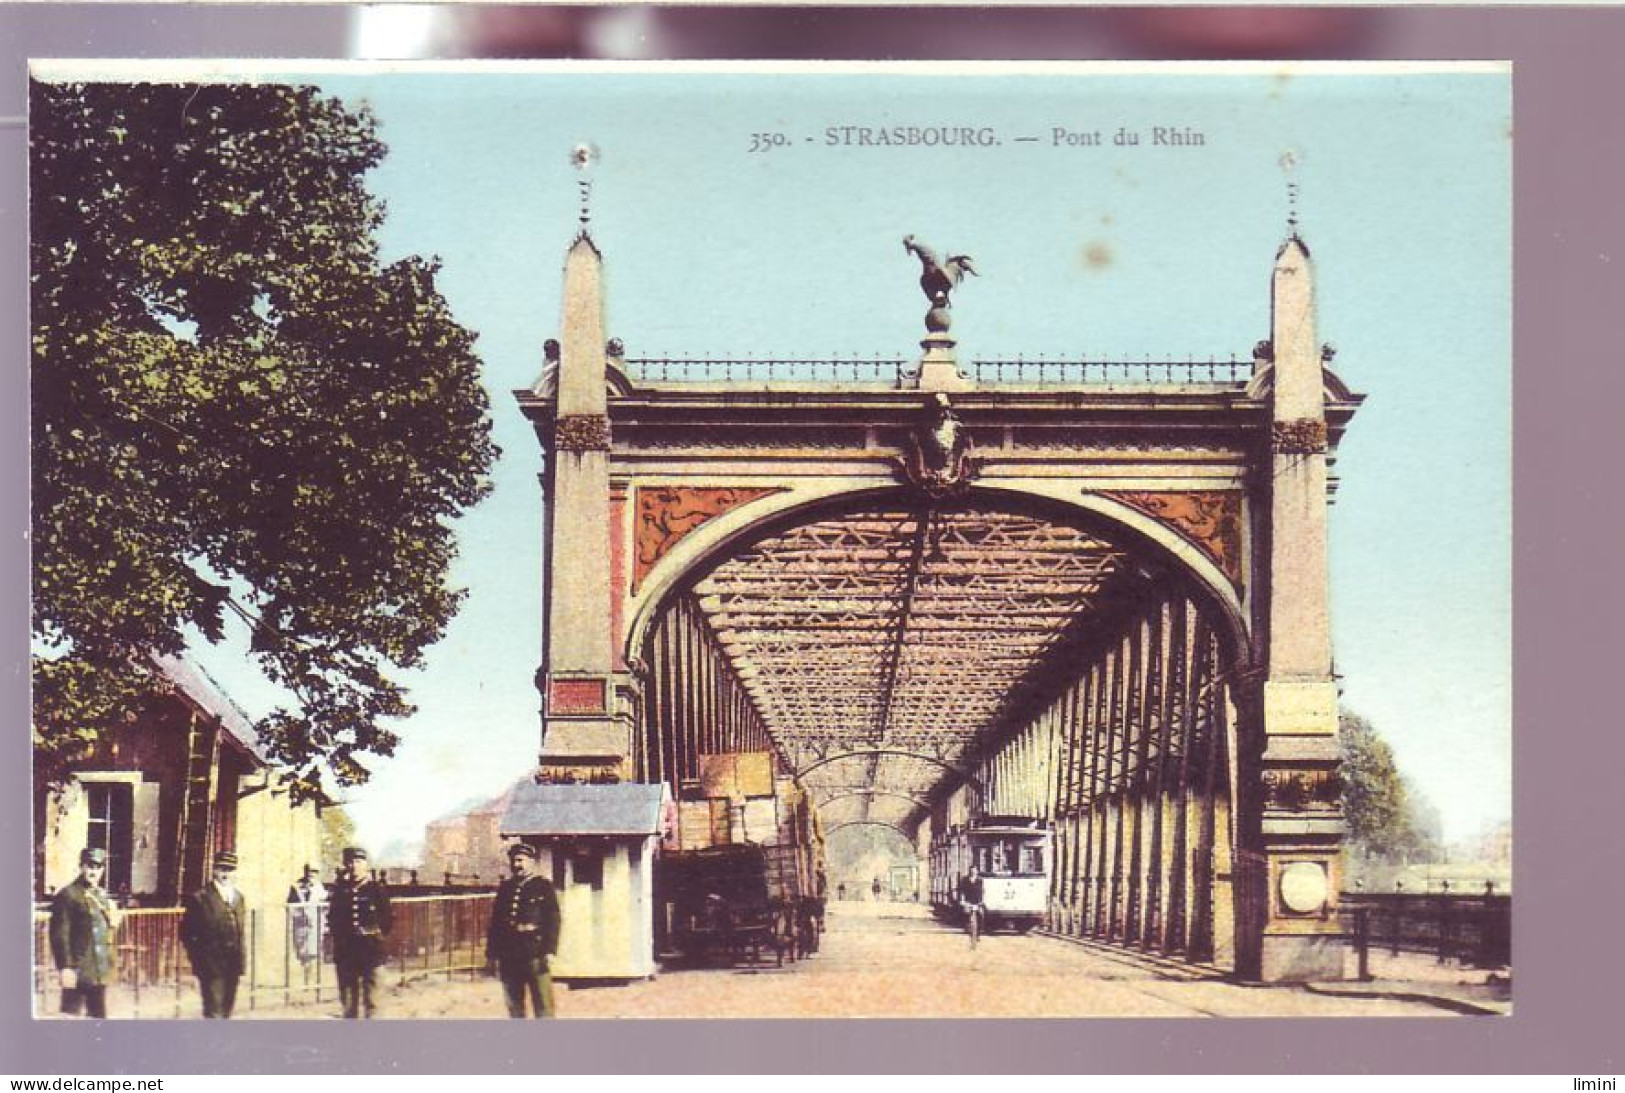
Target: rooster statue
938 278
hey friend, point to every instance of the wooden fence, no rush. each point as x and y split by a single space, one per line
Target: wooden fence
291 966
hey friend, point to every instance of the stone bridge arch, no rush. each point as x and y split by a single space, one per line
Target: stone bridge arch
1197 670
743 515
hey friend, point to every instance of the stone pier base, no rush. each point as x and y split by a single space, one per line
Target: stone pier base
1302 958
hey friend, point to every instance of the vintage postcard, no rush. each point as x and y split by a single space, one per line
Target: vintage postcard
805 541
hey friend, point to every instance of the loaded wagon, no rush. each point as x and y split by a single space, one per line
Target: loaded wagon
718 906
745 880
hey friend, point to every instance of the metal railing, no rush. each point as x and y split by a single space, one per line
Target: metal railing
1466 928
289 959
1034 370
1083 372
766 369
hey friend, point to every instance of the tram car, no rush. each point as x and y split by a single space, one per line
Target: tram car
1012 854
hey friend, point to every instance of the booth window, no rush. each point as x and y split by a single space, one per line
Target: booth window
588 868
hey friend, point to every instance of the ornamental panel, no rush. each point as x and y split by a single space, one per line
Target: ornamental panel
1211 519
667 513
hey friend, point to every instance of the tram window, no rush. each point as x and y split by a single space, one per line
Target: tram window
1032 858
1004 857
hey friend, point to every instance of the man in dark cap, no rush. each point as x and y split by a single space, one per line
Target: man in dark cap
212 929
83 919
524 934
359 918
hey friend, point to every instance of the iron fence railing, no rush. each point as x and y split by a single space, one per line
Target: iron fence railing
766 369
1467 928
1045 371
1024 370
289 960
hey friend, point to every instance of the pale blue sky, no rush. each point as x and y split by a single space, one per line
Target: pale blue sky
1405 203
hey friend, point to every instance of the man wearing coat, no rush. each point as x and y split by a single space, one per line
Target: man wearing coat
212 930
524 934
359 917
82 923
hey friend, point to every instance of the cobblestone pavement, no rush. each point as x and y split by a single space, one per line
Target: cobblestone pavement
892 960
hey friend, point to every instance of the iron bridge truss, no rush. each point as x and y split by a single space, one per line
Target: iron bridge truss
896 637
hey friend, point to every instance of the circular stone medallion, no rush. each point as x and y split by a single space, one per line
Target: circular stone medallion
1303 887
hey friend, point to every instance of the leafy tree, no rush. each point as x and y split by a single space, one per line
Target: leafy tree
338 832
236 407
1387 816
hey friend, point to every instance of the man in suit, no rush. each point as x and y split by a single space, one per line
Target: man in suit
359 917
524 934
83 920
212 929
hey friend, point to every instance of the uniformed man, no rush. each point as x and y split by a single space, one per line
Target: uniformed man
212 929
359 918
524 934
83 919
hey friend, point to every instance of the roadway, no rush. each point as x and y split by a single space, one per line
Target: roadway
893 960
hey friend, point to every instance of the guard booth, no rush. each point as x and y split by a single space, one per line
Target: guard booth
597 844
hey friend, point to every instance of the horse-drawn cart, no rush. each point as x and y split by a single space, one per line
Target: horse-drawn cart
724 905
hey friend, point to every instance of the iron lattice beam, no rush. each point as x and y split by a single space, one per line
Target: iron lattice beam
909 629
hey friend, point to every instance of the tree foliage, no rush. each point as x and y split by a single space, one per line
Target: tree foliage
236 407
338 832
1387 817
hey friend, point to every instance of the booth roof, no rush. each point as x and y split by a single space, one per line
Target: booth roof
621 808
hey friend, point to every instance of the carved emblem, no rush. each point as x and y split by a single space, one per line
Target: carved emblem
1209 518
1304 436
667 513
577 775
581 433
1296 790
939 462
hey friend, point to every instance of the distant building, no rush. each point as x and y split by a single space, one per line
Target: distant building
1496 845
185 779
466 847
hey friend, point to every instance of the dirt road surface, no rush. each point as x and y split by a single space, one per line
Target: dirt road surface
892 960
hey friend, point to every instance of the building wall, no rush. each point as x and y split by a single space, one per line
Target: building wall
157 747
150 757
445 849
275 841
487 853
67 819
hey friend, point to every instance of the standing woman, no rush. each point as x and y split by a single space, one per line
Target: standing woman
307 906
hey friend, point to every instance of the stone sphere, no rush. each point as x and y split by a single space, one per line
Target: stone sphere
938 319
